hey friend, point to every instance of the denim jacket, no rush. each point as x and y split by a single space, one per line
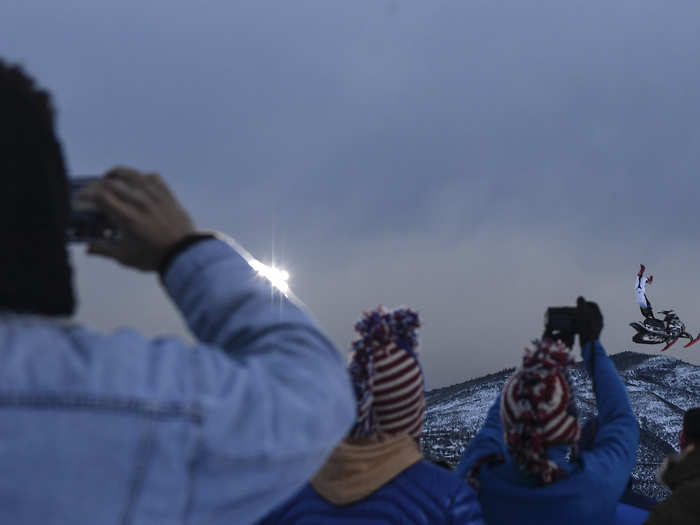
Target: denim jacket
99 429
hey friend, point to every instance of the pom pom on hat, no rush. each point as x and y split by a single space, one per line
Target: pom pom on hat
386 374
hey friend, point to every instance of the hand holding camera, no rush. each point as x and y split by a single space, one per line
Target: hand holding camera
564 322
146 214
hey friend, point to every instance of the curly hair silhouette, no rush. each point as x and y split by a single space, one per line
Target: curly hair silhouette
35 273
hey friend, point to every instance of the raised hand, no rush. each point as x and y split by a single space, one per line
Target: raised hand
147 214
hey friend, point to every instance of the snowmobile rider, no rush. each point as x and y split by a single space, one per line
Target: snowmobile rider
654 330
640 291
525 461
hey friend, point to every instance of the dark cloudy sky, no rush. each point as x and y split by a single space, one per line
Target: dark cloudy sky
476 160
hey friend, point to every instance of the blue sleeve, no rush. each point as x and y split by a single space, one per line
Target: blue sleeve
274 392
465 508
614 449
630 515
489 440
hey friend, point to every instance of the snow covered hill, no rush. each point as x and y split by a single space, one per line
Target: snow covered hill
660 389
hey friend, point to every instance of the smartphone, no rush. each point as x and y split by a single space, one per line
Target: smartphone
86 222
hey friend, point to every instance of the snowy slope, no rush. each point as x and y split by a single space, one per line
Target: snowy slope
660 389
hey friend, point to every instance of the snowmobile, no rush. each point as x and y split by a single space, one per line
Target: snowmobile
655 331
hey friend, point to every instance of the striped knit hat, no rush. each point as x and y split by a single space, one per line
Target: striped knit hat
538 410
386 374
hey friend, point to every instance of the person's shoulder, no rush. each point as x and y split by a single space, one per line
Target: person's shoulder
433 477
306 502
590 467
64 355
26 335
88 339
437 487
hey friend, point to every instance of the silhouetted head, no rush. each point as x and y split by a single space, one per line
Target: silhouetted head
690 434
35 274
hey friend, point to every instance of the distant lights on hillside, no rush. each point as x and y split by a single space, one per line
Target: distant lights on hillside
277 277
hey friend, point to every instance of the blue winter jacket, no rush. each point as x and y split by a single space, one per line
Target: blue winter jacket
423 494
98 429
630 515
595 482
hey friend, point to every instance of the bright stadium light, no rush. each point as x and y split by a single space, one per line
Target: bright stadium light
277 277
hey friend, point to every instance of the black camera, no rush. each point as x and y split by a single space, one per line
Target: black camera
86 223
560 324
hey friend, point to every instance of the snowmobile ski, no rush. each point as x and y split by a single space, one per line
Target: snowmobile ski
670 344
692 342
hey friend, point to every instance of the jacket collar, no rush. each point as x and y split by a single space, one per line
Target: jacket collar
360 466
680 468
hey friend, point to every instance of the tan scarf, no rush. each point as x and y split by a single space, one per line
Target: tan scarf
360 466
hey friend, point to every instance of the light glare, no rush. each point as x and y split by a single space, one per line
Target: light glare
277 277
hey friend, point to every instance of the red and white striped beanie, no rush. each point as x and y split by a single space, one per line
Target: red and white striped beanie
538 410
386 374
